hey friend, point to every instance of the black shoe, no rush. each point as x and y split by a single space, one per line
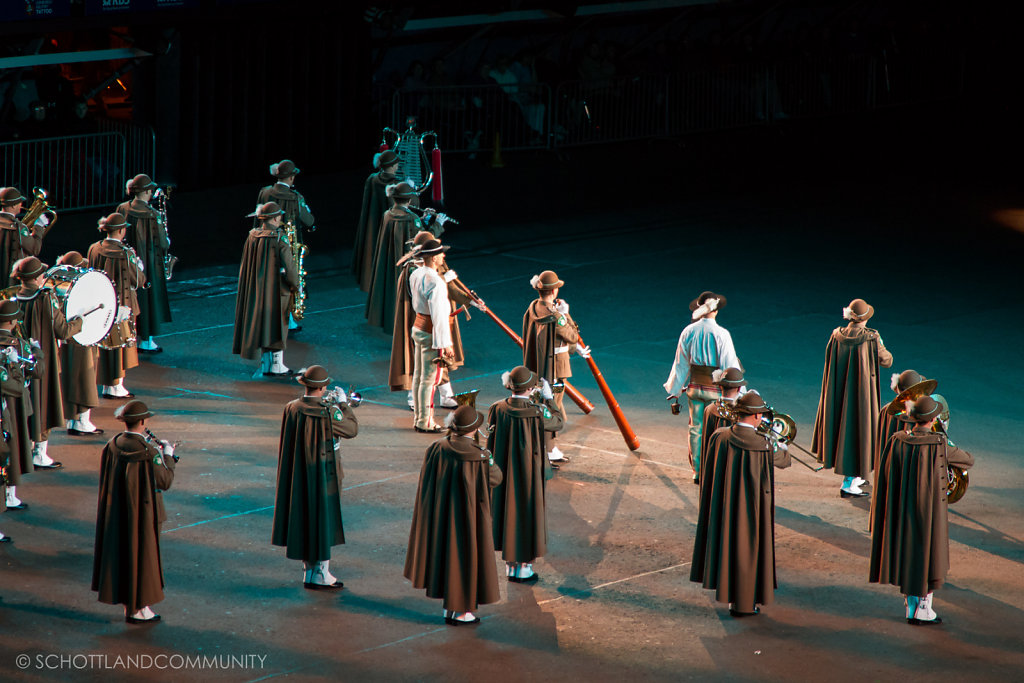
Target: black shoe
696 479
738 614
560 461
117 398
19 506
79 432
922 622
288 373
337 585
55 465
554 464
850 494
158 349
455 622
433 430
530 579
6 539
293 330
152 620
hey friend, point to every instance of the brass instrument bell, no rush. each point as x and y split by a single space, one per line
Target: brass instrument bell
467 398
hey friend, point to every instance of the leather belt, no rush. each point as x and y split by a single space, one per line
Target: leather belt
562 349
702 374
423 322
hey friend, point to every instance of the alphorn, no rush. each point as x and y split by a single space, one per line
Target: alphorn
572 392
630 437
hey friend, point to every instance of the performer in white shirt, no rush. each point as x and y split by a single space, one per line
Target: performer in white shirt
704 346
431 333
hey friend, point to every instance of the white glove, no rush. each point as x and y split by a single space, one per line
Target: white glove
168 448
9 353
478 304
545 390
43 220
562 306
441 219
34 343
584 351
342 396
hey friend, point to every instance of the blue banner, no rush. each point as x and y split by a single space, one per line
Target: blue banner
17 10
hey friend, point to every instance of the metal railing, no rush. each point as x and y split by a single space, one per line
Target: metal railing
470 118
140 146
78 171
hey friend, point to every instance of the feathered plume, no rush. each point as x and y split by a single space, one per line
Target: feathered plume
895 383
848 313
505 382
708 306
534 280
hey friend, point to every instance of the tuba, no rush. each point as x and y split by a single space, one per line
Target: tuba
298 304
467 398
38 208
958 479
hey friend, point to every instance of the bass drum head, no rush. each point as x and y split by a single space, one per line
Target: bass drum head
90 290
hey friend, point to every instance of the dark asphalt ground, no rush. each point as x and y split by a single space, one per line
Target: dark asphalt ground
789 250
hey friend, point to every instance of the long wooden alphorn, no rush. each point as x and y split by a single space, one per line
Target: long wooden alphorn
572 392
630 437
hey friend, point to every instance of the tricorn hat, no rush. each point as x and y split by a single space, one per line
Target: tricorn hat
140 183
315 376
432 246
402 190
858 311
924 409
265 211
73 258
9 310
520 378
112 223
9 196
750 403
28 268
730 378
546 280
707 302
465 419
382 160
133 411
284 168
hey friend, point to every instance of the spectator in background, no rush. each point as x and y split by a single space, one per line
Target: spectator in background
77 120
415 77
533 112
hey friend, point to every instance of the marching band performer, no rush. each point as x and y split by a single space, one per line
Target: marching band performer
846 423
78 372
375 204
431 333
307 510
451 550
149 235
292 203
134 470
704 346
126 271
732 385
18 367
17 240
903 384
43 320
398 226
550 335
734 547
518 435
266 279
910 527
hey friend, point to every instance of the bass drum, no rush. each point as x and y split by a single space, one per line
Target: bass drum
88 293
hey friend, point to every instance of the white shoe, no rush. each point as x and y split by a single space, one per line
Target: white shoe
148 345
117 390
277 366
555 455
12 500
446 396
411 401
858 482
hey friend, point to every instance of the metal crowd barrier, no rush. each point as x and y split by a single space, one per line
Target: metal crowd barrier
140 146
77 171
470 118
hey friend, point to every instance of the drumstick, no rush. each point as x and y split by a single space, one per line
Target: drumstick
100 307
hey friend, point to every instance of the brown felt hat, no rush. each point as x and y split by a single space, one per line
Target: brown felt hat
704 296
422 237
284 168
73 258
465 419
140 183
265 211
433 246
858 311
924 409
546 280
751 403
315 376
905 380
133 411
384 159
402 190
732 377
9 196
9 310
112 223
28 268
521 378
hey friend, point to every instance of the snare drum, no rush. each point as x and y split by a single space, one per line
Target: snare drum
87 293
122 334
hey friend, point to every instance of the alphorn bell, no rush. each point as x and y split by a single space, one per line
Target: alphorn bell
630 437
572 392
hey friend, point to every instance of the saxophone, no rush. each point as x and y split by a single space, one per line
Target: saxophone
298 304
160 200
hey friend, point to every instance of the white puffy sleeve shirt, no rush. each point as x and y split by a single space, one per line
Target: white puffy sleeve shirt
430 297
704 342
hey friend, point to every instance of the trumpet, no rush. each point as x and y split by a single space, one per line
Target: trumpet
37 209
154 439
336 396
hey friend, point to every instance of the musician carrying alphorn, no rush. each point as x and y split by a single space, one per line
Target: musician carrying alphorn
148 234
44 322
17 240
126 271
550 336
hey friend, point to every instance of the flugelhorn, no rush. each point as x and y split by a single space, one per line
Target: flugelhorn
333 396
38 208
150 436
